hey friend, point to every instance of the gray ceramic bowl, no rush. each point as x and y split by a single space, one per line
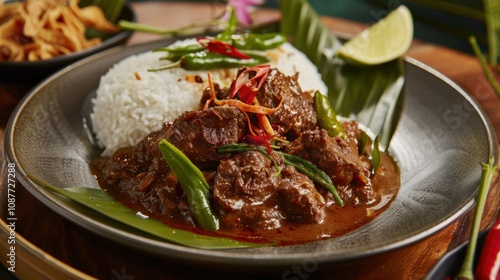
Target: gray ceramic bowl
439 152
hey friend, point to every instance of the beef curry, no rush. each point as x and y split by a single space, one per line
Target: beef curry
256 196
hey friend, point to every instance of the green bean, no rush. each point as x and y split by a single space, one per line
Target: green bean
239 147
207 60
302 165
193 183
327 118
259 42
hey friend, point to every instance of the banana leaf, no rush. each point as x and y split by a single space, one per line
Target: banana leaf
100 201
372 95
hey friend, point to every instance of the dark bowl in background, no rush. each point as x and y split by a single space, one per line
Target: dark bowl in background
29 73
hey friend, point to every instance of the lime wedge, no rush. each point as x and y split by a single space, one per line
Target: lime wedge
387 39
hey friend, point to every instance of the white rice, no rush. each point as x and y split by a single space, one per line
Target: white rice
126 109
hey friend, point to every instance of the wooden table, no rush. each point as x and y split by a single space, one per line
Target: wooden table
98 257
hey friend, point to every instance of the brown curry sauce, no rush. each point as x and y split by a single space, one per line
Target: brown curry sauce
251 203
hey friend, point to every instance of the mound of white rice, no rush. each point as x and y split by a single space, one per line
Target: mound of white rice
132 102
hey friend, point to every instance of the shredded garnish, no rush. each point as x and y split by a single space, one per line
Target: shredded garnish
256 109
265 124
250 85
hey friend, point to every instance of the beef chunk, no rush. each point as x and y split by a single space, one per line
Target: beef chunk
338 158
148 153
248 194
298 198
242 187
135 179
198 133
297 112
220 93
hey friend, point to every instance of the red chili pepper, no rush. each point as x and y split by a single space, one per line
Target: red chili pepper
488 266
248 83
221 48
260 140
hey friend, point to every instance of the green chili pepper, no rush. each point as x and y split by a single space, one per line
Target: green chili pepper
376 154
193 183
177 53
258 42
181 50
376 157
302 165
207 60
327 118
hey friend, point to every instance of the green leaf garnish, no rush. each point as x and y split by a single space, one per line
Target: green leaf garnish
371 95
102 202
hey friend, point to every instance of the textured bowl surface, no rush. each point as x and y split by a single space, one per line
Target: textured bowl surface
442 138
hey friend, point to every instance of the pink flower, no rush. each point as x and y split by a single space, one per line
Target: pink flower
242 9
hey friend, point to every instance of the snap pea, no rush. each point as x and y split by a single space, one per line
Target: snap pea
302 165
193 183
207 60
327 118
258 42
